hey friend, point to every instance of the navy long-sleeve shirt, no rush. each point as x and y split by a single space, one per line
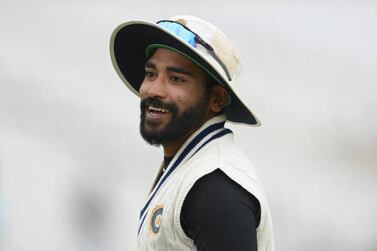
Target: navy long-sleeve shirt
218 214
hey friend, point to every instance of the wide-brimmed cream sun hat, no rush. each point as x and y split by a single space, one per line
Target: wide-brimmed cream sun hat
203 43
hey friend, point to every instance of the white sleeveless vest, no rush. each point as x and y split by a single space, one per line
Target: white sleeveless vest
208 149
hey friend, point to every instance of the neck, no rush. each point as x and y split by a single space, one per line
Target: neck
171 148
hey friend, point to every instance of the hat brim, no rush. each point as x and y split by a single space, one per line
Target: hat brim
128 45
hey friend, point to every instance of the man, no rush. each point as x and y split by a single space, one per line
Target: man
207 195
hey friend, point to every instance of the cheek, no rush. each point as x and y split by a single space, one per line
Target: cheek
180 100
184 100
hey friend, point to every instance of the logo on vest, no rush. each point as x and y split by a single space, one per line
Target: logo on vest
155 220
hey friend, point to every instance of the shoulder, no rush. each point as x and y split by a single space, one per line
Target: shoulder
222 154
222 151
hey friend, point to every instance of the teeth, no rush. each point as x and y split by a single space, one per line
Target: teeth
151 108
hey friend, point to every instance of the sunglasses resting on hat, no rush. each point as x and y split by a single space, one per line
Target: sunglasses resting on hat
191 38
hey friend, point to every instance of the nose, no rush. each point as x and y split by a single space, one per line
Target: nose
152 88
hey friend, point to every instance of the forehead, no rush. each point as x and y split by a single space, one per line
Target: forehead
167 58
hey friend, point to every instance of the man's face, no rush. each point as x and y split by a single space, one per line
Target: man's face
174 98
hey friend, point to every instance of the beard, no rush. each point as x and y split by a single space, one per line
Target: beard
180 124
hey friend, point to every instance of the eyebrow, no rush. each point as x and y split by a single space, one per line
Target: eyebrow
149 65
180 70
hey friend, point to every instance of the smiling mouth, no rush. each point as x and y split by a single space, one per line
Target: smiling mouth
156 110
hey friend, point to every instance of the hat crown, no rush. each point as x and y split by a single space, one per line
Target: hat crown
222 45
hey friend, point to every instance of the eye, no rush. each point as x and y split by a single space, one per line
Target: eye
177 79
150 74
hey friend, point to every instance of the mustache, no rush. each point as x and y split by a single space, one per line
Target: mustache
158 103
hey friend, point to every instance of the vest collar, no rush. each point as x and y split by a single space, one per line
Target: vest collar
210 130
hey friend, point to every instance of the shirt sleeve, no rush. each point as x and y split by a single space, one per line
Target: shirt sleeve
218 214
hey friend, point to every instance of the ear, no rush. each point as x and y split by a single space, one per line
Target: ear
218 98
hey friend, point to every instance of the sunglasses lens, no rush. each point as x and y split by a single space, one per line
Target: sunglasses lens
180 32
191 38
